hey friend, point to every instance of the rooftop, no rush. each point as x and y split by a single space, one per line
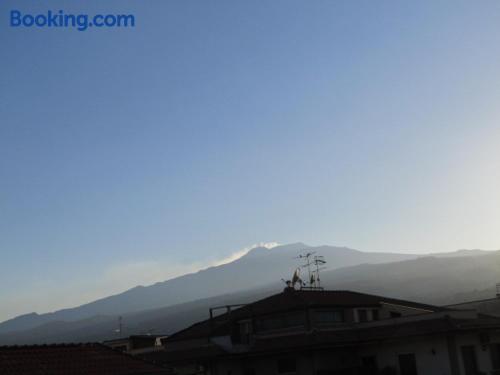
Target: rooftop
295 300
437 323
72 359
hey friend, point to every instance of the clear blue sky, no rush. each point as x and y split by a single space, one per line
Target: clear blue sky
131 155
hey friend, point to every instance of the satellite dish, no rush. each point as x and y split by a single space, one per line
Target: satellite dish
313 265
296 277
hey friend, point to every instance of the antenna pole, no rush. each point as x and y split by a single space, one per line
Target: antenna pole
317 273
308 263
313 274
309 266
318 262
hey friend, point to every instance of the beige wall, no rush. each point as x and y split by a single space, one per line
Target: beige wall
431 353
482 351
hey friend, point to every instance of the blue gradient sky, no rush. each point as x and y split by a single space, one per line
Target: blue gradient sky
131 155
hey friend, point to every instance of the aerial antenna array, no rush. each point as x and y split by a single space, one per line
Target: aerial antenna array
313 264
319 262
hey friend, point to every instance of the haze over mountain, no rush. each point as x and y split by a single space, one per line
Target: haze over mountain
260 266
172 304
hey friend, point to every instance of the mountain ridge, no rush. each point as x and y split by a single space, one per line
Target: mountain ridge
259 267
412 279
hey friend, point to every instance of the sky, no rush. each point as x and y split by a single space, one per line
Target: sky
132 155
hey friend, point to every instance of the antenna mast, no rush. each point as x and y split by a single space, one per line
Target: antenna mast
314 281
307 260
317 261
120 325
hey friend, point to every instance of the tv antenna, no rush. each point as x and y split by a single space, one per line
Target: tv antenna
314 264
307 259
319 261
295 280
120 325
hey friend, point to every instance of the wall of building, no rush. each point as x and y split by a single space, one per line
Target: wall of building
384 312
482 346
335 359
489 306
386 309
431 357
431 354
264 365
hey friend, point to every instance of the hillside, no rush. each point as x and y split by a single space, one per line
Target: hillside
259 267
434 280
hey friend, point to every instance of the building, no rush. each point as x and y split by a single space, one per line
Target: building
72 359
489 306
316 332
136 344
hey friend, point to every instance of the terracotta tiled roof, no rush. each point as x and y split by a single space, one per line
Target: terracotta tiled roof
72 359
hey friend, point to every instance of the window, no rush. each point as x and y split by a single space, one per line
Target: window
362 316
294 319
287 365
245 329
290 320
395 314
369 365
270 323
407 364
469 359
495 356
375 315
329 317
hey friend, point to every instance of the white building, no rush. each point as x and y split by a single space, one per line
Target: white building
318 332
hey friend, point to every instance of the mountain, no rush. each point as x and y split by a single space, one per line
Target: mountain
258 267
164 320
171 305
432 279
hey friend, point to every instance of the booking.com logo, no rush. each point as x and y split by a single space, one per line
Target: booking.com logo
79 21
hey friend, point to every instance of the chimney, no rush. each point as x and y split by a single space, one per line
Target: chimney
498 290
